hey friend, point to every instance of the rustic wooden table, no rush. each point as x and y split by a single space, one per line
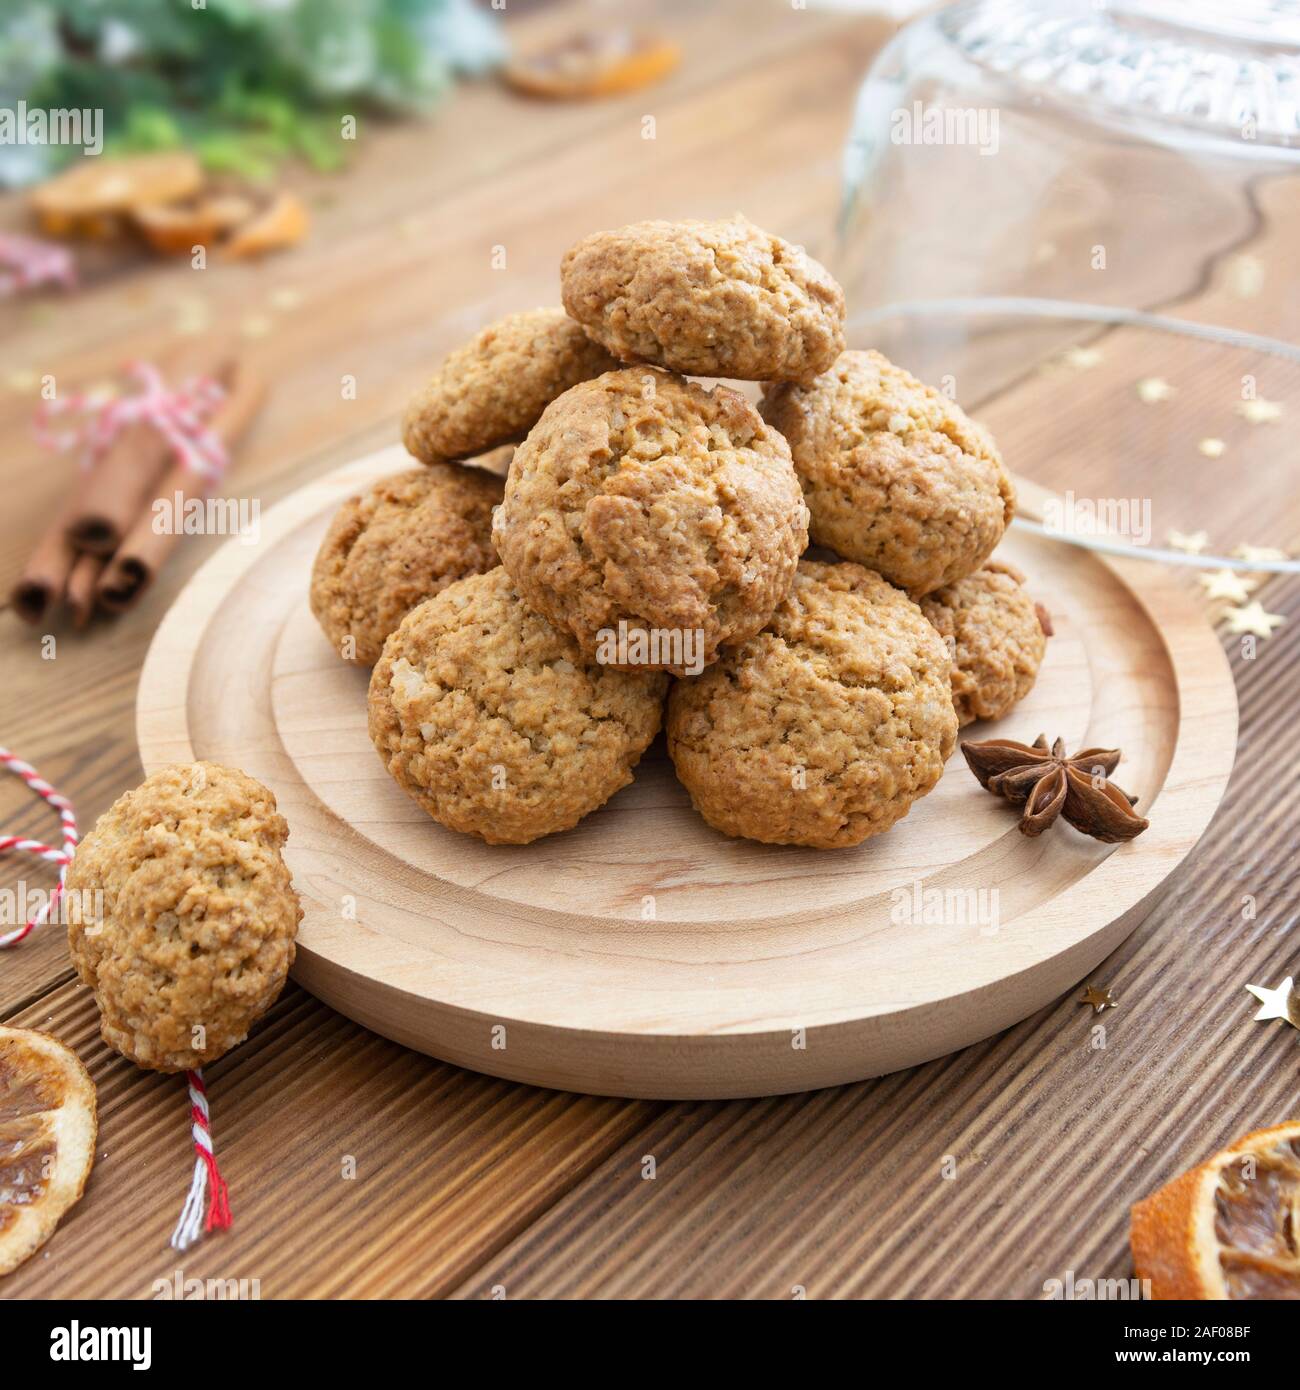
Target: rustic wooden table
360 1169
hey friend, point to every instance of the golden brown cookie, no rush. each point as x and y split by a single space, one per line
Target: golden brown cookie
643 500
895 475
706 299
492 390
402 542
490 718
824 729
995 635
182 915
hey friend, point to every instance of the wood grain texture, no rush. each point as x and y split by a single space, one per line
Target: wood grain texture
356 1168
838 1189
441 942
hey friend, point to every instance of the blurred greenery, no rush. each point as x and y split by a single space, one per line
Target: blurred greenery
244 83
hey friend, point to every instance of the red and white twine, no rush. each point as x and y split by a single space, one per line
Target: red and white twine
62 857
179 415
207 1204
26 263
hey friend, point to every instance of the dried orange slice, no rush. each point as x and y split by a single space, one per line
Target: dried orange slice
176 228
1228 1229
594 65
47 1139
282 223
90 195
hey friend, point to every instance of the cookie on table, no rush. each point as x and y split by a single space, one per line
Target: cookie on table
717 299
492 390
895 475
644 500
402 542
182 915
492 721
824 729
997 636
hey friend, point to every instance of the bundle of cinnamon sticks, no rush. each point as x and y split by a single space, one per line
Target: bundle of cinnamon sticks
105 544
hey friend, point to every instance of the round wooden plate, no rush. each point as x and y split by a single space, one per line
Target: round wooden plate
642 953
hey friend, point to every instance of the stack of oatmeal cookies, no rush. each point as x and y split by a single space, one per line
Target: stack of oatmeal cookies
649 528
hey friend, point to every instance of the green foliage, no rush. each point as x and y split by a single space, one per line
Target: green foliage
244 83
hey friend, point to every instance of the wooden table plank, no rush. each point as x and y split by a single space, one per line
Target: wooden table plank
448 1164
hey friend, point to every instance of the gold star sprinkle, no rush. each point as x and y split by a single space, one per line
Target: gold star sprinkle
1259 411
1153 389
22 382
1259 554
256 326
1081 358
1212 448
1099 999
1252 618
1226 584
286 298
1245 276
1193 544
1282 1002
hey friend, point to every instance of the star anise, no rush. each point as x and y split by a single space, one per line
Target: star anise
1048 784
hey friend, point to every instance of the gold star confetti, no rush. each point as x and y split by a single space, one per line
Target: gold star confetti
1153 389
1212 448
1227 584
256 326
1245 276
1193 544
1259 411
286 298
1282 1002
22 382
1252 618
1081 358
1099 999
192 317
1259 554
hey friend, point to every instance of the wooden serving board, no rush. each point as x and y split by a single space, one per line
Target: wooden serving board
642 953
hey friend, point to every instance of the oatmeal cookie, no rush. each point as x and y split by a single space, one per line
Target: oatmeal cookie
490 718
402 542
895 475
996 635
492 390
706 299
824 729
198 917
644 500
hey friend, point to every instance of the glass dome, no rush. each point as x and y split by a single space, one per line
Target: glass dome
1083 221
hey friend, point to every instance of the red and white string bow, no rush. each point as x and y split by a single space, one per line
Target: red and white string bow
26 263
207 1205
62 857
179 415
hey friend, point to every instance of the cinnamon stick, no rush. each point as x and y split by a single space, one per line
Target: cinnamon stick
145 547
80 595
127 475
45 576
